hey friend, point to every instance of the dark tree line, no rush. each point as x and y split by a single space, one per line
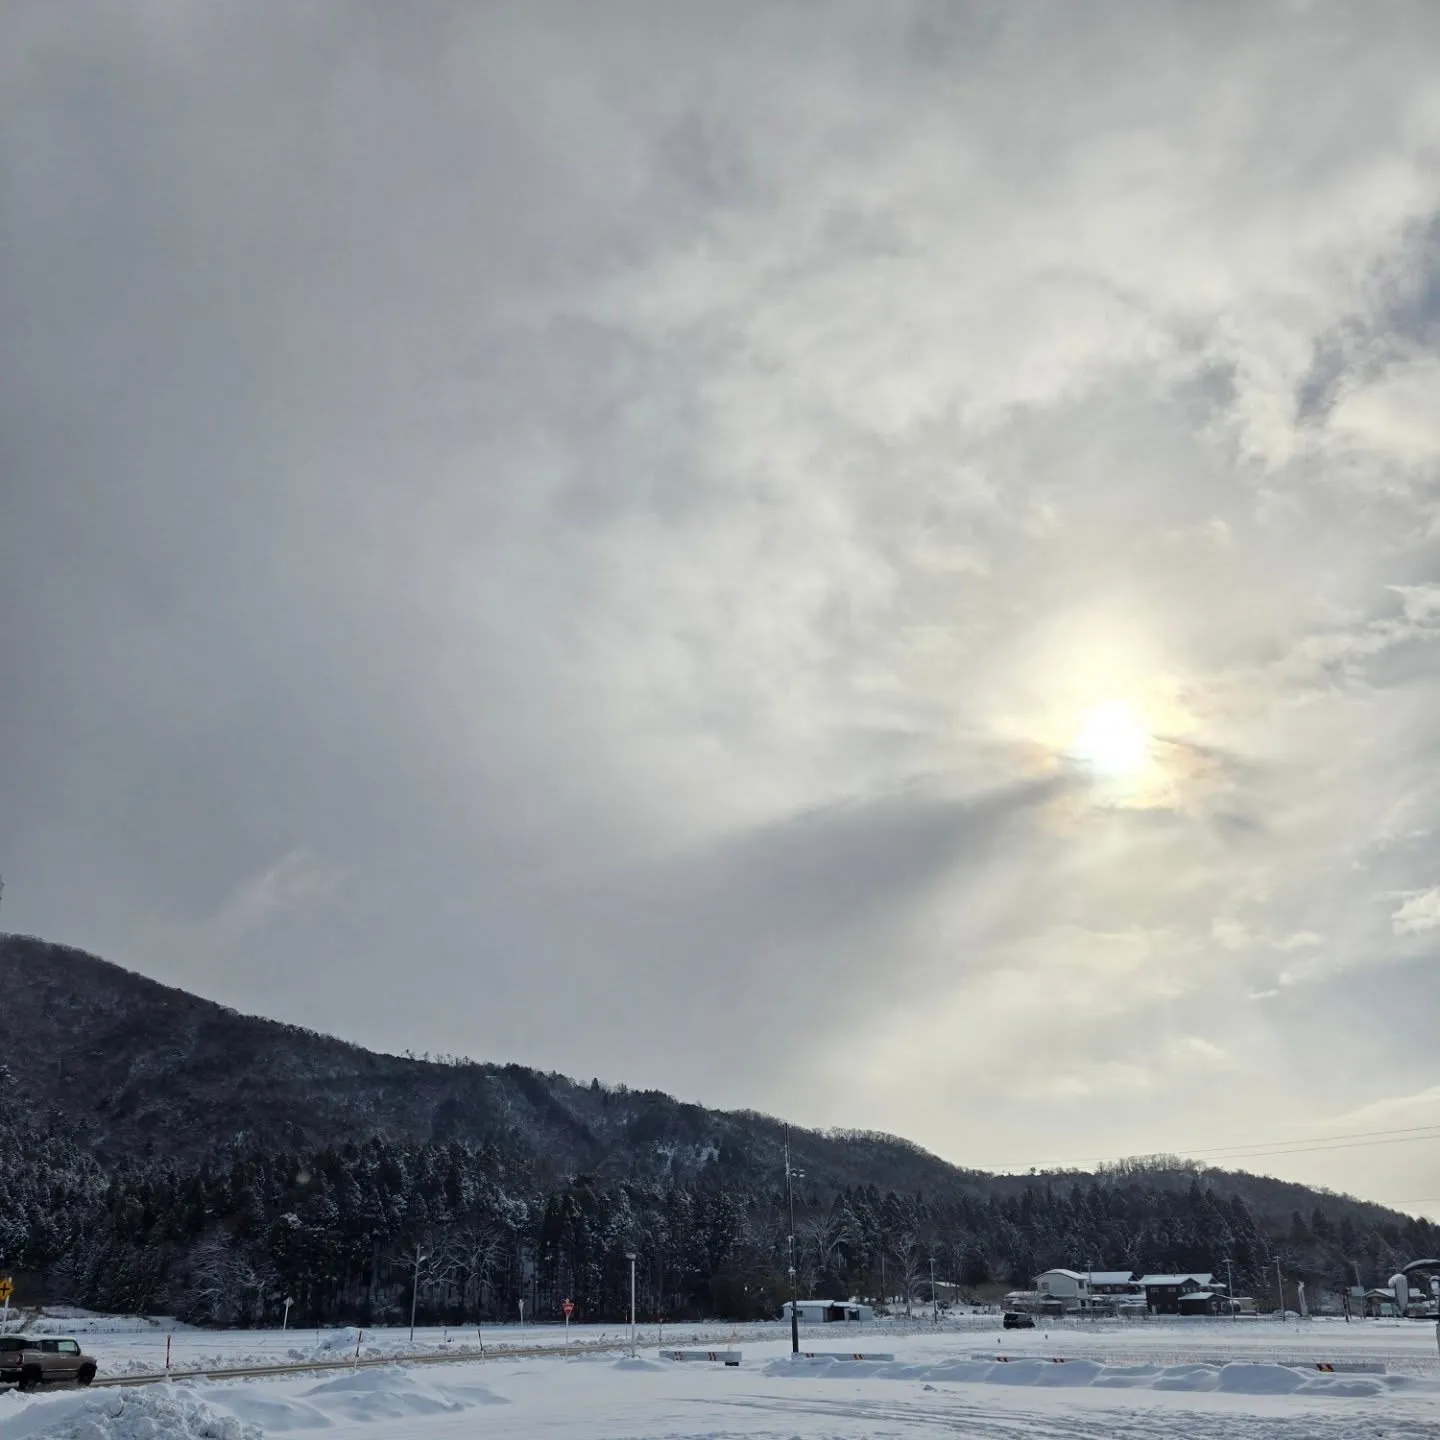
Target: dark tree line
347 1231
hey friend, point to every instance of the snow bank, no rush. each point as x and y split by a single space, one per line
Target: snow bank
154 1412
381 1394
243 1411
1241 1378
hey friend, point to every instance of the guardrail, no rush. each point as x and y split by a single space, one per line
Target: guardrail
363 1362
369 1362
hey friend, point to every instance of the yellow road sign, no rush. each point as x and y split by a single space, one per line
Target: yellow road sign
7 1288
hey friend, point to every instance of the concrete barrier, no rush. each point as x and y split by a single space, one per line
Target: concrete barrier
845 1355
715 1357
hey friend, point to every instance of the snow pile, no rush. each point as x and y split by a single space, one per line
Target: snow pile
380 1394
362 1397
337 1342
74 1320
153 1412
131 1365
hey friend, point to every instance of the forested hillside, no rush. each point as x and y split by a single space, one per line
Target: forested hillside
131 1208
143 1069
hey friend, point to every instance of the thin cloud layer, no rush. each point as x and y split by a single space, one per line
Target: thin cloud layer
878 563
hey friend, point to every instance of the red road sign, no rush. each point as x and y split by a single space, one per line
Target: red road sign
569 1308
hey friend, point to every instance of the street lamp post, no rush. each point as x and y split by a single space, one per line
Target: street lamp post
285 1318
415 1292
630 1256
794 1291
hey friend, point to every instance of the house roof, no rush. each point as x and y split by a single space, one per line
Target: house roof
1111 1277
1199 1295
1200 1277
1069 1274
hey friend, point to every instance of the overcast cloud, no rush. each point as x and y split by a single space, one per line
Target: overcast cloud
598 535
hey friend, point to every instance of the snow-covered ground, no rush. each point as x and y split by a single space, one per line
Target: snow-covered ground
1230 1387
129 1345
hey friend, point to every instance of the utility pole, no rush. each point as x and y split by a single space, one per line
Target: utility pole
630 1256
934 1297
1230 1288
415 1291
1279 1287
794 1282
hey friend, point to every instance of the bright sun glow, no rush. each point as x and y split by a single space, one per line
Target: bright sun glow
1112 741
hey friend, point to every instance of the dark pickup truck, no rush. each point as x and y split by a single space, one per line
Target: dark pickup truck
30 1361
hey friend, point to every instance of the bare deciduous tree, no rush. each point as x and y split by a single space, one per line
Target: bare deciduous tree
906 1250
479 1251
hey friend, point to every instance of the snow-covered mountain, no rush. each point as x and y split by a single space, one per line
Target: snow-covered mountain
143 1069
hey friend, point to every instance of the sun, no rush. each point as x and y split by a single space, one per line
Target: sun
1112 742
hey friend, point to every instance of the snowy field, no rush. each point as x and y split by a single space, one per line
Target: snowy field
131 1346
1129 1382
128 1346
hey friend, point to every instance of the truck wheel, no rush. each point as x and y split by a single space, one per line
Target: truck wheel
86 1375
29 1379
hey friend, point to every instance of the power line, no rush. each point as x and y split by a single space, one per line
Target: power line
1265 1149
1344 1145
1316 1139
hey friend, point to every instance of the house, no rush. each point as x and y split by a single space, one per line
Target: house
1069 1287
1163 1292
1118 1284
825 1312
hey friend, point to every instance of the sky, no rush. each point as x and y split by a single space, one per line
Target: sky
879 563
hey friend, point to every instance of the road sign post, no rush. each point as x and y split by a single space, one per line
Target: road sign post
569 1308
7 1289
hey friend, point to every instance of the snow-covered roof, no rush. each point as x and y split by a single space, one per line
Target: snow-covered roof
1200 1277
1199 1295
1069 1274
1112 1277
